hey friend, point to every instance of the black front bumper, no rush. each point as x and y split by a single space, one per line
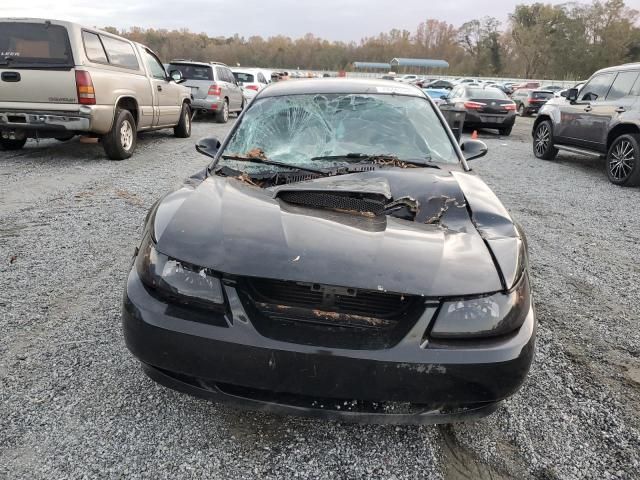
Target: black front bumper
236 364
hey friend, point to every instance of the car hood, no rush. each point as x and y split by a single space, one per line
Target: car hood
236 228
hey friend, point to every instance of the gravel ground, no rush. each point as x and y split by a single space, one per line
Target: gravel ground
74 403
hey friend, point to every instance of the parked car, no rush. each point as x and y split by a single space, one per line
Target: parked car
552 88
438 95
251 80
59 79
446 84
347 266
213 86
486 107
600 119
527 86
529 102
409 78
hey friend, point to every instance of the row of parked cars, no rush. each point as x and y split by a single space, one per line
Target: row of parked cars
59 79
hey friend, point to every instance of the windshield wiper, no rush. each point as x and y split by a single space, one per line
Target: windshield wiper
266 161
380 159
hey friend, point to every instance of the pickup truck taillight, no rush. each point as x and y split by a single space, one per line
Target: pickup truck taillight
215 90
84 84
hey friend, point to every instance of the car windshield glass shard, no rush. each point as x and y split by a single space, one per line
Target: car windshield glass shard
380 159
297 128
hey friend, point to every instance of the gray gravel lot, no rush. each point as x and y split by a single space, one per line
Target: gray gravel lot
74 403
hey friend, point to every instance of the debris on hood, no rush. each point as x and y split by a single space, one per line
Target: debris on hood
391 161
445 203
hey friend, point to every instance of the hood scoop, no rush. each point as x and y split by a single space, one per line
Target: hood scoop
368 196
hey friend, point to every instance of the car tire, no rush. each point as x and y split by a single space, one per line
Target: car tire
623 161
222 116
543 141
183 129
120 142
521 110
65 138
12 144
505 132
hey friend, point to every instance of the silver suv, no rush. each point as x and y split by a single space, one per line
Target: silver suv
213 87
59 79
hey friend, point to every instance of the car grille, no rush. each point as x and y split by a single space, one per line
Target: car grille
374 204
324 315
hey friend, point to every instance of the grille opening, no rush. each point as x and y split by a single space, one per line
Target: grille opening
321 315
348 202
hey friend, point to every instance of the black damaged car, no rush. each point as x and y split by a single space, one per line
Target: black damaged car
336 259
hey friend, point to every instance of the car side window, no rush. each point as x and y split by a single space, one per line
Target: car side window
120 53
622 85
93 47
229 75
154 65
220 75
261 78
596 89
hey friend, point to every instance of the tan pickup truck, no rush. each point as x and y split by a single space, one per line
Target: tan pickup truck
59 79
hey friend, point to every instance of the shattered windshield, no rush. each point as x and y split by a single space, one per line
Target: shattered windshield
294 129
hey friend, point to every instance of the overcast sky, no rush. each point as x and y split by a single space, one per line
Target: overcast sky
331 19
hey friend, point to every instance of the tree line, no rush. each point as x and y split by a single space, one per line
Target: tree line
568 41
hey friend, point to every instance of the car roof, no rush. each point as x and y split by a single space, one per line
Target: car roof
182 61
340 86
617 68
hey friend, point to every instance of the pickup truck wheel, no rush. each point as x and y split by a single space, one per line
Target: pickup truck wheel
12 144
120 142
183 129
223 114
623 161
543 141
64 138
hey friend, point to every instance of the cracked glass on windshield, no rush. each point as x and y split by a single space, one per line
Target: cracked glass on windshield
294 129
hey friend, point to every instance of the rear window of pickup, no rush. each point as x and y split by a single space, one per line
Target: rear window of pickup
34 45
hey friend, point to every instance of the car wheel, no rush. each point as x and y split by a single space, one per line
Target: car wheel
623 161
64 138
543 141
223 114
183 129
12 144
505 132
120 142
521 111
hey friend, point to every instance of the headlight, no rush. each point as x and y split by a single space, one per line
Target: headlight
483 317
178 281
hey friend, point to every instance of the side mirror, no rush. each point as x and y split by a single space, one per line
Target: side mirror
572 94
176 76
208 146
473 149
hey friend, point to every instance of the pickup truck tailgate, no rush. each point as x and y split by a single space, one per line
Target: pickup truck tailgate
36 63
38 86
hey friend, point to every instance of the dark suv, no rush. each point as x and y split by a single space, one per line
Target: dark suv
601 119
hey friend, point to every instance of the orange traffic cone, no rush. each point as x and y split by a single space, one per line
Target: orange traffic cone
474 135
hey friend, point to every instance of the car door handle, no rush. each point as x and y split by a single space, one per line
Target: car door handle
159 88
588 108
620 110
